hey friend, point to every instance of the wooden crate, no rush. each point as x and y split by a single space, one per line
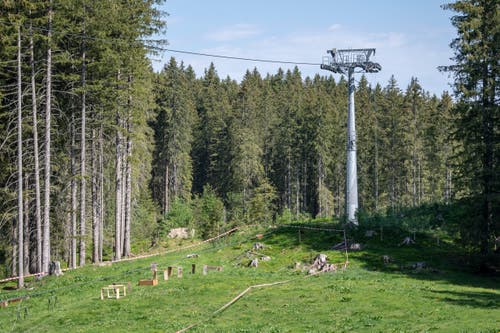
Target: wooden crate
153 282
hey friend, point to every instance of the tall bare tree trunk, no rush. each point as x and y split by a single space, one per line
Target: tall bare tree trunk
118 190
128 195
288 183
83 170
48 107
166 197
95 202
20 205
175 181
128 174
320 187
15 253
26 240
36 154
124 190
375 168
297 194
68 234
74 190
100 192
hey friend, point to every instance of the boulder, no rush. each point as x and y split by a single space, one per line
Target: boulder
419 265
55 268
319 261
355 247
254 263
258 246
407 241
179 233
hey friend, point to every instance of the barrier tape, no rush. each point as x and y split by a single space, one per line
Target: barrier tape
133 258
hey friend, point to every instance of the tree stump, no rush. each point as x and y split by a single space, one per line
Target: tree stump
55 268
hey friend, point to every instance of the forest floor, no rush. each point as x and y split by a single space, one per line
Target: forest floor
369 296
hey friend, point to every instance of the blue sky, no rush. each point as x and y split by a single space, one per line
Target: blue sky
411 36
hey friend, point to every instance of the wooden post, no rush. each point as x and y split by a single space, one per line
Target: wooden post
169 271
179 272
205 269
165 275
193 268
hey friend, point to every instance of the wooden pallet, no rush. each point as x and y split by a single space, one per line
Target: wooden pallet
113 291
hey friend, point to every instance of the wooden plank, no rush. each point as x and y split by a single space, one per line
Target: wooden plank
207 268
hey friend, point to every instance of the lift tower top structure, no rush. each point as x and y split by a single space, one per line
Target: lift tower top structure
350 61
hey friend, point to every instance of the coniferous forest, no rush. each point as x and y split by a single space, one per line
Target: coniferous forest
100 156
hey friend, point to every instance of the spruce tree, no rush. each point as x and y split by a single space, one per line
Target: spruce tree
477 81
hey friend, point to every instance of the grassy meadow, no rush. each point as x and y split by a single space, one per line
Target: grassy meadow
369 296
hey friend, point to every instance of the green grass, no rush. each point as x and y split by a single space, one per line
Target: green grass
368 297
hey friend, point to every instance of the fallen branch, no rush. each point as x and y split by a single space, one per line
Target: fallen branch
240 295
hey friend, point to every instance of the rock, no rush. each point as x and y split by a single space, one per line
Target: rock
329 268
386 259
192 255
355 247
258 246
320 258
254 263
179 233
419 265
55 268
312 271
319 261
265 258
407 241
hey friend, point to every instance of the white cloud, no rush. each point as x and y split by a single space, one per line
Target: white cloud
404 55
234 32
334 27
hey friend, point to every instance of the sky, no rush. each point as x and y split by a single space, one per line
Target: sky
411 37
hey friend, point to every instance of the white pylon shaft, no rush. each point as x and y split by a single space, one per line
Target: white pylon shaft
351 195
